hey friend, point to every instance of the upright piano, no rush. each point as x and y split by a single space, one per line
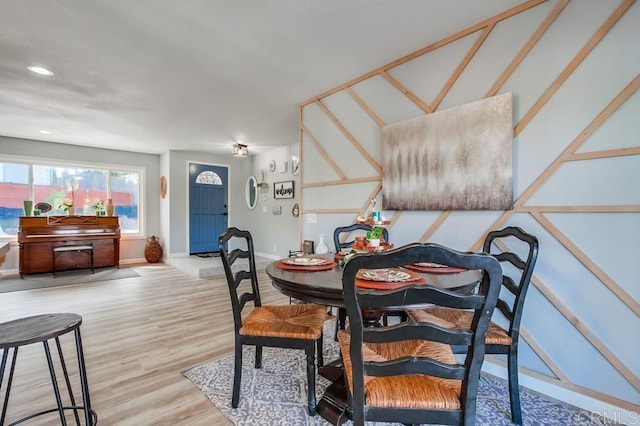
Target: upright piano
39 235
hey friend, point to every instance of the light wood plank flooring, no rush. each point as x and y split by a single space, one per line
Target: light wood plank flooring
138 335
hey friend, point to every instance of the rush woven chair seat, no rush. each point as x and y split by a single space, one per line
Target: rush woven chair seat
286 326
517 275
412 391
407 372
289 321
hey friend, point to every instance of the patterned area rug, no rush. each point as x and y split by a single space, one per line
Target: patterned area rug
276 394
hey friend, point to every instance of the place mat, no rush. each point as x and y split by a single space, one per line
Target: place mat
324 267
306 261
380 285
433 268
386 279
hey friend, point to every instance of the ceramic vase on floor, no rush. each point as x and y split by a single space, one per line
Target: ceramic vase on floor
153 250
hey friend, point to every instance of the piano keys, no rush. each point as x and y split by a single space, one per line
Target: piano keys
38 235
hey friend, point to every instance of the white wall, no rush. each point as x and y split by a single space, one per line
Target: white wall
274 234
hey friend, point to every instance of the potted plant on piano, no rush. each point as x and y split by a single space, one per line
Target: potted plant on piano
99 208
66 207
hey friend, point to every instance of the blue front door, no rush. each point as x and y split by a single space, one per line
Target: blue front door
207 206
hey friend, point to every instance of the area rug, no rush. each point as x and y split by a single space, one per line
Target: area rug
206 255
276 393
82 276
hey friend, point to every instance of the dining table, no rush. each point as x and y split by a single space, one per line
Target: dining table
322 284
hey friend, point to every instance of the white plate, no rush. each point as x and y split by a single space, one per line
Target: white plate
430 265
306 261
385 275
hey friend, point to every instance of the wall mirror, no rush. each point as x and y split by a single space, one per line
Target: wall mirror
251 192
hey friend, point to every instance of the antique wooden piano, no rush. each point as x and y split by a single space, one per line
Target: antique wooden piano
66 241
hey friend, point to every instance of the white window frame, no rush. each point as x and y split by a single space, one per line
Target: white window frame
49 162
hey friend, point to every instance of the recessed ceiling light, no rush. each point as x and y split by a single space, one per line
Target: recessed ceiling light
45 132
39 70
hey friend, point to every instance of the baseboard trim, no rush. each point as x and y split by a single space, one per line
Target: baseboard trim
268 256
9 273
133 261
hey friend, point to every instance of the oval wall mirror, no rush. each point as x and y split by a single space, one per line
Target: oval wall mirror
251 192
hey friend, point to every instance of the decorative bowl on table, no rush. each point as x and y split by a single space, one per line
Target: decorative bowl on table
367 248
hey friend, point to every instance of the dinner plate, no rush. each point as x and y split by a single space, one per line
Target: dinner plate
306 261
430 265
306 268
386 275
433 268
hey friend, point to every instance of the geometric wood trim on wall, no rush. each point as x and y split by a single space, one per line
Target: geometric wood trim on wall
540 213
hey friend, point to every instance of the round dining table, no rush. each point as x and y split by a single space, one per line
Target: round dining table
324 287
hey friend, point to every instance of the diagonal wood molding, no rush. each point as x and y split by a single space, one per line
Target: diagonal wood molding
483 29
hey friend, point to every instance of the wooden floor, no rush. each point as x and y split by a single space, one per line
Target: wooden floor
138 335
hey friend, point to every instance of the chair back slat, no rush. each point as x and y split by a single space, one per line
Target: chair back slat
512 258
236 254
505 309
414 365
410 330
244 299
509 284
420 295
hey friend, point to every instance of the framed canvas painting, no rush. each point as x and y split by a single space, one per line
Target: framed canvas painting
456 159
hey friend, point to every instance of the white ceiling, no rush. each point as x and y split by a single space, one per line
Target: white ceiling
155 75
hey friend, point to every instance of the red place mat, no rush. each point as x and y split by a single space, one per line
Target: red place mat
379 285
434 269
324 267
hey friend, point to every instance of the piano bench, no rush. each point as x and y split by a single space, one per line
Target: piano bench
58 250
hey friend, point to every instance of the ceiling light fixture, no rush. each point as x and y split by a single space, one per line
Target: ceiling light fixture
239 150
39 70
45 132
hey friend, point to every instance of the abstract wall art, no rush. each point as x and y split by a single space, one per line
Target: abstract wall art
455 159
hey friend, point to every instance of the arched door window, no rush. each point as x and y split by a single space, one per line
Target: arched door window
209 178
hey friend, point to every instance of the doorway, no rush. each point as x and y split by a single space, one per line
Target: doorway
208 206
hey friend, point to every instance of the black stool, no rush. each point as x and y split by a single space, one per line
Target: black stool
42 328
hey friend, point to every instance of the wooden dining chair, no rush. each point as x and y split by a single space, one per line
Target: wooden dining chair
337 234
285 326
517 275
407 372
339 245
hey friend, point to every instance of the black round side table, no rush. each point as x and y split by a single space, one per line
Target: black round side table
42 328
